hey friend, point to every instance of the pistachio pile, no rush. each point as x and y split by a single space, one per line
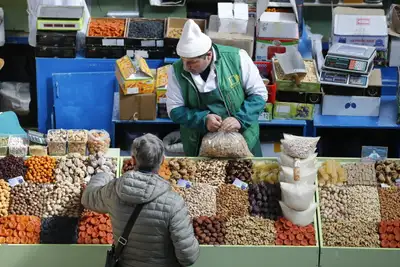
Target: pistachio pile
364 204
201 200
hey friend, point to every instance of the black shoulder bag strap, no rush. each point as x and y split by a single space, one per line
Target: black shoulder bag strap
123 239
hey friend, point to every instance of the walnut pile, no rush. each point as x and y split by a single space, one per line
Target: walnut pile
182 168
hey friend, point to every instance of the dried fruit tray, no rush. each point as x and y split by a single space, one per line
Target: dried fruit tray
144 42
102 37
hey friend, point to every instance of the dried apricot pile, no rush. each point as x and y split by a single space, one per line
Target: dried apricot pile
19 229
389 234
289 234
95 228
40 169
107 27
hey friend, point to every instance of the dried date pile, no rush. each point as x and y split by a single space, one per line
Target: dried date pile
264 200
209 230
239 169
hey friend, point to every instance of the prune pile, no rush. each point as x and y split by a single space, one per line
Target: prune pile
302 111
146 29
59 230
11 167
240 169
209 230
264 200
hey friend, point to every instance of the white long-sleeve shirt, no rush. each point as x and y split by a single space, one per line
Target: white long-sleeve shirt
251 81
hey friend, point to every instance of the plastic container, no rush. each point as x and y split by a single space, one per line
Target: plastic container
98 141
77 141
18 146
37 150
57 142
266 70
3 145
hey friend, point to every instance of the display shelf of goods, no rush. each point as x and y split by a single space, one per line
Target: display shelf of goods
359 219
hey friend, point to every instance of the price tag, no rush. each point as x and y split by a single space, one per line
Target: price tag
160 43
183 183
120 42
148 43
132 90
16 181
242 185
107 42
130 53
385 186
373 153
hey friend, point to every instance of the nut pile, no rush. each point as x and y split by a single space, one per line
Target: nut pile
18 146
239 169
77 140
18 229
265 171
40 169
201 200
57 142
264 200
212 172
387 171
334 203
59 230
62 199
4 198
209 230
11 167
389 199
331 172
350 234
247 231
99 141
175 33
182 168
98 163
364 204
289 234
147 29
128 165
389 234
95 228
27 199
71 169
3 145
232 201
360 173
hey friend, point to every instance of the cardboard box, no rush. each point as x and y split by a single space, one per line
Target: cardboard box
294 111
137 107
134 78
266 115
242 41
266 47
162 76
360 27
278 25
394 58
337 105
233 18
161 95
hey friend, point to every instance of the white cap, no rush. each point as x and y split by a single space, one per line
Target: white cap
193 42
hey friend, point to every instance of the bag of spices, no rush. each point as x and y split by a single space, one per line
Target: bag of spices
301 218
224 145
299 146
297 196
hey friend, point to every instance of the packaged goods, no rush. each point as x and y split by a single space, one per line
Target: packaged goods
95 228
299 146
3 145
59 230
265 171
362 234
201 200
289 234
57 142
77 140
40 169
99 141
4 198
264 200
11 167
209 230
224 145
212 172
182 168
331 172
288 161
304 175
37 150
106 27
239 169
232 201
18 146
360 173
297 196
387 171
301 218
18 229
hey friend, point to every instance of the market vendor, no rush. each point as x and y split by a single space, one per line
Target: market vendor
214 87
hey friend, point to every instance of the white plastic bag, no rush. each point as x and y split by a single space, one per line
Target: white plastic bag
173 144
299 146
286 160
15 97
301 218
297 196
224 145
306 175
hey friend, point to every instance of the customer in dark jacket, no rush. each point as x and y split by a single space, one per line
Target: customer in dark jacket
163 234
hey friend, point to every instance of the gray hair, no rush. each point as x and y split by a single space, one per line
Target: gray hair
148 151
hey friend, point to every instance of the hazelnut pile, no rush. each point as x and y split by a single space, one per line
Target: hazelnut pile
4 198
389 199
212 172
40 169
62 199
387 171
334 203
209 230
27 199
182 168
360 173
247 231
364 205
232 201
99 141
239 169
201 200
71 168
389 234
264 200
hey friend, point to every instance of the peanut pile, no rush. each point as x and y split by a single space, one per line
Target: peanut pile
201 200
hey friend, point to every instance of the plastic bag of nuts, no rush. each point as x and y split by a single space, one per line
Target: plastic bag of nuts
18 146
99 141
77 140
224 145
57 142
3 145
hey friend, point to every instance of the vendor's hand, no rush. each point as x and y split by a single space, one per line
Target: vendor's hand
213 122
230 124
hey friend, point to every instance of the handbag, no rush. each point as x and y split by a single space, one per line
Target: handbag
115 252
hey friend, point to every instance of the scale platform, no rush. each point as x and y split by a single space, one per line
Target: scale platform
60 18
350 58
344 79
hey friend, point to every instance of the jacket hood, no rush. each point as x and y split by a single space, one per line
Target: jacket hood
137 187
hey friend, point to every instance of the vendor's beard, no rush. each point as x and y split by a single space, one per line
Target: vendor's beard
196 72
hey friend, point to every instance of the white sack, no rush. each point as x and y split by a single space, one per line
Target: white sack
297 196
301 218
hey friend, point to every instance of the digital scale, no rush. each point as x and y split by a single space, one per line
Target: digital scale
60 18
344 79
350 58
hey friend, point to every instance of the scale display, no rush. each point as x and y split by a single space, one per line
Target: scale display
60 25
344 79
